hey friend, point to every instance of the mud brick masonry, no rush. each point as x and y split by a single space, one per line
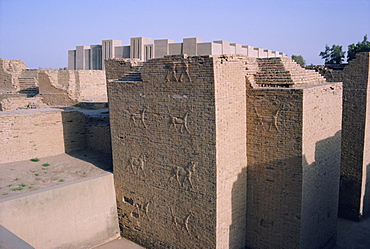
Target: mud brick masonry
209 151
225 152
354 202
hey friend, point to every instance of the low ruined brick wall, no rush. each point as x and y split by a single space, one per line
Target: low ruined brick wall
10 71
27 134
21 102
67 87
116 68
98 137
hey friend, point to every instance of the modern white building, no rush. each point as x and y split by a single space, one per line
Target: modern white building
92 57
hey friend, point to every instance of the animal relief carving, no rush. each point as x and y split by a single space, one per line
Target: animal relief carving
270 120
171 72
137 164
139 117
179 123
183 175
181 223
134 212
144 209
177 71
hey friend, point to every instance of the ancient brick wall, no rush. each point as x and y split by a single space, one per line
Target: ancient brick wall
74 130
90 85
53 91
10 70
321 141
274 176
21 102
67 87
118 67
29 134
178 186
293 147
164 154
354 198
231 164
26 134
98 135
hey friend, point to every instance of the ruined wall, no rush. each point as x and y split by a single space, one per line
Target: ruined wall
74 130
354 198
117 67
91 85
10 70
27 134
21 102
53 91
98 136
67 87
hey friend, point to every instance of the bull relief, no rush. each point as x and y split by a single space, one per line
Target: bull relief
179 123
183 176
177 71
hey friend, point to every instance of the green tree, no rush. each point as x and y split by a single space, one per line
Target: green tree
353 49
299 59
333 55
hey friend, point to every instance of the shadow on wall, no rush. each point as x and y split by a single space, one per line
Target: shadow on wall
290 203
77 144
321 194
366 212
238 204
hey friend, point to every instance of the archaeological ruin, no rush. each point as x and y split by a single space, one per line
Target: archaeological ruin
207 151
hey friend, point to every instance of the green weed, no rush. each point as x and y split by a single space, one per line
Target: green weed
46 164
34 160
16 189
61 180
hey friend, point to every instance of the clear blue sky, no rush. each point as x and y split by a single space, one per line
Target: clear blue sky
40 32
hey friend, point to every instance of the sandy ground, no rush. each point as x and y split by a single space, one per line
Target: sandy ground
26 176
